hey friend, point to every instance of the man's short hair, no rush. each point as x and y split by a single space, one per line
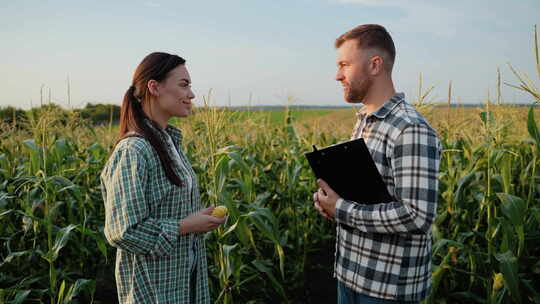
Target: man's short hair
372 36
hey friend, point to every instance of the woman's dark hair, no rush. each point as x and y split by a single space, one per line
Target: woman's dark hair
155 66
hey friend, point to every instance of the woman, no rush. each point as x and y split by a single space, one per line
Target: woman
152 208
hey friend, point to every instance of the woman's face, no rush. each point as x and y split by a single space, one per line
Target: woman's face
174 93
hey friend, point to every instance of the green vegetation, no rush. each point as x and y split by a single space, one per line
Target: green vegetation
51 212
279 116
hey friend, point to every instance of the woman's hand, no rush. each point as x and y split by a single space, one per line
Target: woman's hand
200 222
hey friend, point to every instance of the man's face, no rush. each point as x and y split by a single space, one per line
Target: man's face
353 72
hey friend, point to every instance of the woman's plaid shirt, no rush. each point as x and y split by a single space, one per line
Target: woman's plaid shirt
388 252
142 214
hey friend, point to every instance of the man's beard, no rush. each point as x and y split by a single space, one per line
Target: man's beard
357 92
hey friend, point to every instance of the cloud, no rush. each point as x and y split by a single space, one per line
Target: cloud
363 2
384 3
152 4
419 16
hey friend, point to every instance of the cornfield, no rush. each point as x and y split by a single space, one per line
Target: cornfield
274 247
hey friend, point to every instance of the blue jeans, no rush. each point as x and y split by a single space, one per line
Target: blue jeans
346 295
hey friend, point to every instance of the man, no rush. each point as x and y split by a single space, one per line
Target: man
386 256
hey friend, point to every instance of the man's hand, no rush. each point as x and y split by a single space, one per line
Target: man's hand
325 200
318 207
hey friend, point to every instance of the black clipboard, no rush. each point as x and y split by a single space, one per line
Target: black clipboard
350 171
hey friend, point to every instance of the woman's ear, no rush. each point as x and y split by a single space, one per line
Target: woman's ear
153 87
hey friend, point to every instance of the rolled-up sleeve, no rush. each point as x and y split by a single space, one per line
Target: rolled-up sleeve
128 223
415 167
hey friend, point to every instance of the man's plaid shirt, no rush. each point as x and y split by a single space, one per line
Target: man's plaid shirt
387 254
143 209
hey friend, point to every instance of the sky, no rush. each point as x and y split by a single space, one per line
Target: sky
242 52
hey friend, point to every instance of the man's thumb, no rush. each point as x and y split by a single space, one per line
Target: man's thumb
323 185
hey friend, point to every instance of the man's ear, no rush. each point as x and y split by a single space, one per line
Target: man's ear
153 87
376 65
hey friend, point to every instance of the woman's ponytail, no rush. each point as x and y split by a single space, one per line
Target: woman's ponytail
155 66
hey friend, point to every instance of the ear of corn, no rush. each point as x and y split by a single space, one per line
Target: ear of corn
219 211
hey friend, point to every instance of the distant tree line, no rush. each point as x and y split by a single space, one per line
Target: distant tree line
99 113
95 113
